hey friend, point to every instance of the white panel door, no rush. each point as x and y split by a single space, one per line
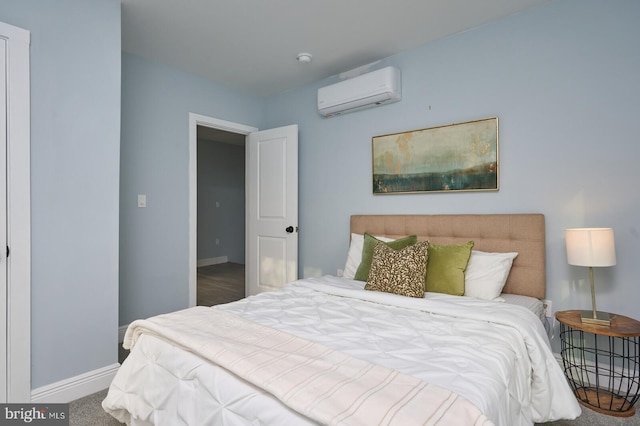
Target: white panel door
15 214
272 209
3 220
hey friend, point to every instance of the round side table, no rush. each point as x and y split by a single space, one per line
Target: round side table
602 364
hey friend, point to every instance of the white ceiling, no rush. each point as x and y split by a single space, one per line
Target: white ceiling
252 45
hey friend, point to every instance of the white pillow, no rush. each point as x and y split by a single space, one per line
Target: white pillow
487 273
354 257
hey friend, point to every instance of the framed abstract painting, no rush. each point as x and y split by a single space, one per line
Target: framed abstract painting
455 157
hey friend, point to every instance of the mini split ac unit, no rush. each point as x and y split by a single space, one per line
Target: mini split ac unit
364 91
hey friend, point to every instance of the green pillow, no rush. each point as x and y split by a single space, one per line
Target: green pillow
367 252
446 266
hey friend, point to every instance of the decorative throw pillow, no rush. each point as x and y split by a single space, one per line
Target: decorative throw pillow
367 252
446 266
354 257
399 271
487 274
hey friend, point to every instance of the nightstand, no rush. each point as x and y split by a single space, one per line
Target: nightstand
602 364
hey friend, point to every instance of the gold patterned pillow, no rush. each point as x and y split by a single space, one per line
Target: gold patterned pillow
399 271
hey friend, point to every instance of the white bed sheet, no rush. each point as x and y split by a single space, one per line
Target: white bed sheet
534 305
513 381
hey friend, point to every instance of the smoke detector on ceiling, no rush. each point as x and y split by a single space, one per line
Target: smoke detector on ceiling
304 58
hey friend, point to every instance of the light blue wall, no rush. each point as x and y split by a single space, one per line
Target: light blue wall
221 168
75 140
156 102
563 80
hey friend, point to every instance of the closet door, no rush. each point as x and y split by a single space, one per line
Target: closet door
15 216
3 219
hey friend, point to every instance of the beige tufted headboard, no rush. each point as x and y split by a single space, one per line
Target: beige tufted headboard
522 233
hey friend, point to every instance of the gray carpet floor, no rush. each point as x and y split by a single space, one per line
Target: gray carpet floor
88 411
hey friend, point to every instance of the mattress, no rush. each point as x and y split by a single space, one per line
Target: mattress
495 355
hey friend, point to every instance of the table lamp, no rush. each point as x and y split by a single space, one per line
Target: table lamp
592 247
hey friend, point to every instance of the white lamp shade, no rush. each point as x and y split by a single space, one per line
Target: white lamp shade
590 246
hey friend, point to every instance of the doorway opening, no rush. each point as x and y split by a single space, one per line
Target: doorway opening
271 203
220 216
211 128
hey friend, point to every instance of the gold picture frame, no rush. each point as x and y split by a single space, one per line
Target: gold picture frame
450 158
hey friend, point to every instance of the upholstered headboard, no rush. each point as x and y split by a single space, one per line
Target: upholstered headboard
522 233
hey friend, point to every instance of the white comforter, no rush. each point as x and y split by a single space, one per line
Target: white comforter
495 355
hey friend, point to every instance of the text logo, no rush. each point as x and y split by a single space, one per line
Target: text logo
34 414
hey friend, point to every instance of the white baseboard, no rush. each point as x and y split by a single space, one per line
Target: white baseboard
212 261
76 387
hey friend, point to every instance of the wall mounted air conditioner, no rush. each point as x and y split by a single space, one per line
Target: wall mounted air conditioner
364 91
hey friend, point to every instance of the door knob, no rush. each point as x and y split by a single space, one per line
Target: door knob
289 229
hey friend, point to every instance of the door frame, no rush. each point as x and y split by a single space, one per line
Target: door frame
18 308
196 120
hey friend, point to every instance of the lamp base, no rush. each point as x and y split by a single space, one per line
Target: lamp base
601 318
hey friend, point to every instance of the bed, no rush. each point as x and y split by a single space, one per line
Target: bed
327 350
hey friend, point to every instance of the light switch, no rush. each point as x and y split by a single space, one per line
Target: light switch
142 200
